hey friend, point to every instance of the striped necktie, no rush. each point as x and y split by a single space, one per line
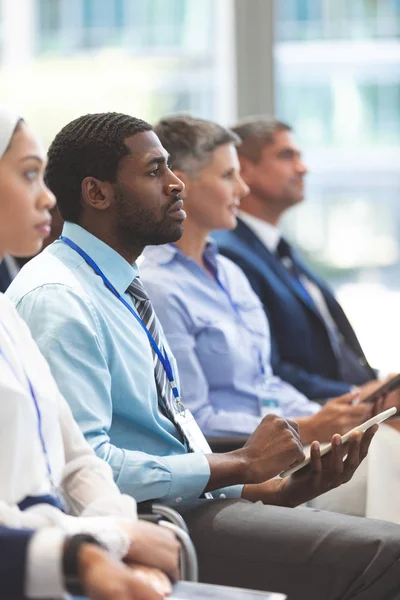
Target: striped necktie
146 312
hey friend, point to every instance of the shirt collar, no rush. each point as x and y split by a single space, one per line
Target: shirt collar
268 234
117 270
162 255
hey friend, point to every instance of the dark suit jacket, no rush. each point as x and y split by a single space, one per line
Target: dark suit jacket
13 554
301 351
5 276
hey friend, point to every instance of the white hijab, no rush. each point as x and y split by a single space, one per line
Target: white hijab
8 122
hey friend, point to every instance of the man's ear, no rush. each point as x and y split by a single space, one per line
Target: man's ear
97 194
246 169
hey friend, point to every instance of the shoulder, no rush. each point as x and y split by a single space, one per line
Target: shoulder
8 312
163 274
51 304
226 239
237 280
49 276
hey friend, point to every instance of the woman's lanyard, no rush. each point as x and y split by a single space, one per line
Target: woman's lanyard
234 306
163 356
37 409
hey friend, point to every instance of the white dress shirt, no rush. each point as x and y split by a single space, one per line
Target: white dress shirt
270 235
84 481
44 575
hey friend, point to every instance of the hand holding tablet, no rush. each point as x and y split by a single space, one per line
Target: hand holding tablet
385 388
345 438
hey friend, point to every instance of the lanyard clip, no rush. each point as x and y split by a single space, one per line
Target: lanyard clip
180 407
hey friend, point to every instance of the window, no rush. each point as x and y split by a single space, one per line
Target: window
339 19
338 84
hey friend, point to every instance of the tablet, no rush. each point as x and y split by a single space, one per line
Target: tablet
387 387
345 438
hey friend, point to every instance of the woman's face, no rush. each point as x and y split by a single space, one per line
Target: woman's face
25 201
213 195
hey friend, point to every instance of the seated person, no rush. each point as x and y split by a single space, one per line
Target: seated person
91 316
216 326
47 467
30 568
313 344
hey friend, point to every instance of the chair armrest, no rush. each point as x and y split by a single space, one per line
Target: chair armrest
226 444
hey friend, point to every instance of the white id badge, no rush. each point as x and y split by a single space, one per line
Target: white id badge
192 431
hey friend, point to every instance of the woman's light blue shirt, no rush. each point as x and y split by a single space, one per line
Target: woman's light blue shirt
220 340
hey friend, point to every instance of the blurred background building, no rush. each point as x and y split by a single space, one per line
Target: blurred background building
331 68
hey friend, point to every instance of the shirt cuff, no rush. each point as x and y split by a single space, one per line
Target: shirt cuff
189 477
233 491
44 576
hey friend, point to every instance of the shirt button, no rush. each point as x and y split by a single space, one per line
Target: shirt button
222 496
178 499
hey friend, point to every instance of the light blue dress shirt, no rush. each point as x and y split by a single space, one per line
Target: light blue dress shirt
102 362
220 340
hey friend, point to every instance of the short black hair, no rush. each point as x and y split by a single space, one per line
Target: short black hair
90 146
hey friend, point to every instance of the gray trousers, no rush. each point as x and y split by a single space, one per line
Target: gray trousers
305 553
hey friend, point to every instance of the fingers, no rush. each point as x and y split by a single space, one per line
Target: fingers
315 455
337 454
151 578
347 398
366 441
353 456
294 429
379 405
359 411
294 425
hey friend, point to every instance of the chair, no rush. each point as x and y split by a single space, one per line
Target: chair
168 517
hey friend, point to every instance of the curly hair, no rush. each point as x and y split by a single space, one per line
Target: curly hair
190 141
90 146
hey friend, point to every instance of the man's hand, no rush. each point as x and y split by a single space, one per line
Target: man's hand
321 475
153 546
103 578
392 399
327 472
273 447
336 416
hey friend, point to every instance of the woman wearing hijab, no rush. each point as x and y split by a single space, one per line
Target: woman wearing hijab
49 475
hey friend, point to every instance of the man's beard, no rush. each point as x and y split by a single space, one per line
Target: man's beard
137 226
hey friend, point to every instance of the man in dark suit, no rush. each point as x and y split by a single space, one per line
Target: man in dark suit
313 344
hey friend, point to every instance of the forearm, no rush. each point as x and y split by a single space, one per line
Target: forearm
226 470
312 385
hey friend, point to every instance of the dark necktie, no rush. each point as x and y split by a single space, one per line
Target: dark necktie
5 278
285 254
147 314
351 367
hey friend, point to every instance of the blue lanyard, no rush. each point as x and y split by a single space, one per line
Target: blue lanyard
162 356
37 409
